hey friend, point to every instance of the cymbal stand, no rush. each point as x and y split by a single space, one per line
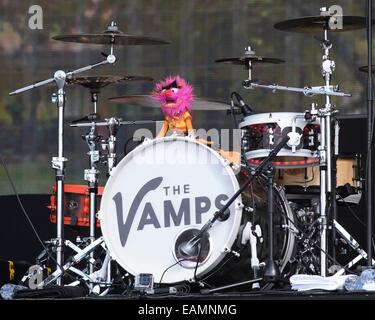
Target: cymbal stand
58 163
325 149
308 91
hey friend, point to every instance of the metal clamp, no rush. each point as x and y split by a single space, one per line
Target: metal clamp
58 162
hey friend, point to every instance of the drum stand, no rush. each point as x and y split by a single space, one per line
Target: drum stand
189 248
325 152
58 163
91 176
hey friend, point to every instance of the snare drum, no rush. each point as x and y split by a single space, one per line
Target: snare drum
161 194
262 132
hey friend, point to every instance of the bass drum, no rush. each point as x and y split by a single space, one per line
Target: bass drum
163 192
235 270
157 197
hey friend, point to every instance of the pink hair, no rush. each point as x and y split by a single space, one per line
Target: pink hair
184 96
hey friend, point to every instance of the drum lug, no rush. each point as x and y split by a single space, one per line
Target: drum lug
235 167
192 137
99 215
239 205
235 253
147 141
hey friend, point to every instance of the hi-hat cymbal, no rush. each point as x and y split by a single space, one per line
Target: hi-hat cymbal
111 36
365 69
148 102
96 82
244 60
316 24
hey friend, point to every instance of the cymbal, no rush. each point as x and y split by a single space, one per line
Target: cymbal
244 60
316 24
111 36
365 69
96 82
148 102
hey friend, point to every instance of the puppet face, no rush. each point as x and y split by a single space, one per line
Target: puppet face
175 96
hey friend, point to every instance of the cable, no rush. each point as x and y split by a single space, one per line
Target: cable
198 257
179 261
29 220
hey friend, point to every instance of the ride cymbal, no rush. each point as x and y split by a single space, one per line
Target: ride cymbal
316 24
148 102
111 36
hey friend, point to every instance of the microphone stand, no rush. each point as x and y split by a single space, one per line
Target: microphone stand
370 124
223 213
58 163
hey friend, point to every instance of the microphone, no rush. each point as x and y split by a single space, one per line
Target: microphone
245 108
190 249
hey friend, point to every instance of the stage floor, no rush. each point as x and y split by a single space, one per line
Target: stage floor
314 295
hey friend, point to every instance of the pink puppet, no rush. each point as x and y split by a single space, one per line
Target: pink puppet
175 96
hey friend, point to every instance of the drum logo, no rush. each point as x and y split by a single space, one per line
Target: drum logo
171 215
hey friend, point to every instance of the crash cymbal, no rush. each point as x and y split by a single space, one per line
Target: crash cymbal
244 60
148 102
111 36
316 24
96 82
365 69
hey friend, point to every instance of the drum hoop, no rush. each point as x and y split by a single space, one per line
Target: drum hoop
284 118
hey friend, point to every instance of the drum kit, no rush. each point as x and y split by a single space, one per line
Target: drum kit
174 210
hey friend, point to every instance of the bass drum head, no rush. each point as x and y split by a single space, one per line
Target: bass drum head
157 198
234 270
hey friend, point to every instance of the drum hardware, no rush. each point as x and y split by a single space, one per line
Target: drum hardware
74 260
353 244
191 248
58 163
109 145
91 176
250 234
111 37
307 91
348 23
313 24
245 108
